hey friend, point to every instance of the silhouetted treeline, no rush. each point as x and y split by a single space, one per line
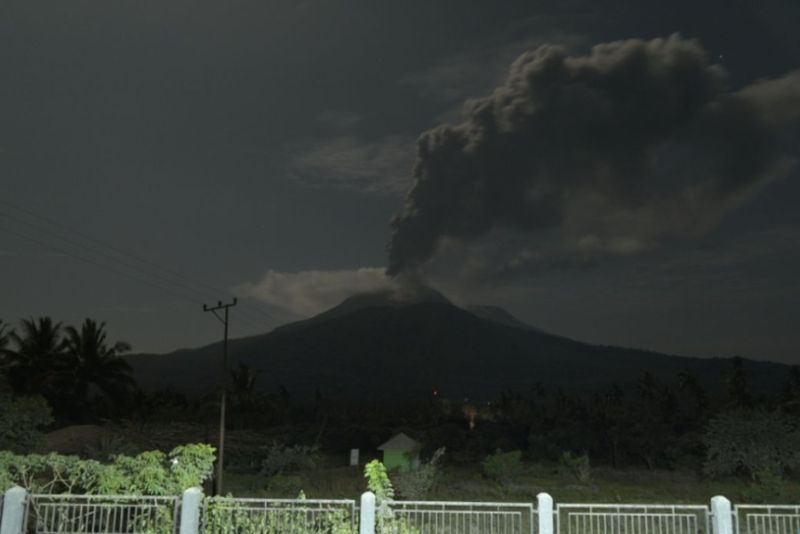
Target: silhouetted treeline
660 422
76 369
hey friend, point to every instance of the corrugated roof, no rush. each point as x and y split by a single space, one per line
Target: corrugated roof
401 442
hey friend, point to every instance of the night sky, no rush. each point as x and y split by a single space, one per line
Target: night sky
642 193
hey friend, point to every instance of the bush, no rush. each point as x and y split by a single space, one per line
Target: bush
149 473
578 466
751 443
768 487
282 459
21 421
503 467
415 485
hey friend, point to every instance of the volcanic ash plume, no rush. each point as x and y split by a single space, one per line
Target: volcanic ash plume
614 152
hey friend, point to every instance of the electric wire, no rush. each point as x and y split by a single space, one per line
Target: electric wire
160 286
205 292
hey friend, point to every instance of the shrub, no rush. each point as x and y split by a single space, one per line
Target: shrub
282 459
149 473
503 467
751 443
577 465
21 420
378 482
415 485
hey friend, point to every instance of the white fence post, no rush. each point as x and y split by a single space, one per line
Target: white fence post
544 509
13 511
721 515
190 511
366 523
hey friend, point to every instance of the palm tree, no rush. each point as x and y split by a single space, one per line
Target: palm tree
3 354
34 363
3 342
91 362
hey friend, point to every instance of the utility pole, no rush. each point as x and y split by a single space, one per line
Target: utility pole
225 373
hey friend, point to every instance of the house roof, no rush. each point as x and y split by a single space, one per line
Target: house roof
401 442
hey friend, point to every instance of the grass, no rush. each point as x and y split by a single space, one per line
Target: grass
466 483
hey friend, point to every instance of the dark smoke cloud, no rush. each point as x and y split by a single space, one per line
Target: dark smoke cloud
615 152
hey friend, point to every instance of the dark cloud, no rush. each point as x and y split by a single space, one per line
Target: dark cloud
636 143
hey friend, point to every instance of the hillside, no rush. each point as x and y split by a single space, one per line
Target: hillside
375 346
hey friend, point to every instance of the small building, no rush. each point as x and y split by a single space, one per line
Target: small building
401 452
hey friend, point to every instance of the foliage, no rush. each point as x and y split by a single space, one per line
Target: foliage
34 365
577 465
503 467
751 442
149 473
415 484
227 516
768 487
21 420
378 482
282 459
92 362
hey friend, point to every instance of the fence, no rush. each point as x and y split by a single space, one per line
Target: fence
449 517
64 514
767 519
632 519
192 514
313 516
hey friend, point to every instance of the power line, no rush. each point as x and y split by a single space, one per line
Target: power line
175 278
161 287
181 276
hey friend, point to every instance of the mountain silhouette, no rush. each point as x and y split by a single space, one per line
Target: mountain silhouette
394 346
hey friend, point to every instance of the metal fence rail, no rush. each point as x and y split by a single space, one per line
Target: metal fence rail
632 519
279 516
79 514
766 519
453 517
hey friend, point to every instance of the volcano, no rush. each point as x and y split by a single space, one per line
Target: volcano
394 345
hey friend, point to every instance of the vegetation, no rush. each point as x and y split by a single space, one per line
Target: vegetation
416 484
148 473
281 459
503 467
21 422
694 441
75 370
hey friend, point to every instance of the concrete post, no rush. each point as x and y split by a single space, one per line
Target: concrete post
13 511
366 523
190 511
721 515
544 507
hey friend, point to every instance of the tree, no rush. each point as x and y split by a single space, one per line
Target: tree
21 421
739 395
92 362
791 392
33 365
3 339
751 443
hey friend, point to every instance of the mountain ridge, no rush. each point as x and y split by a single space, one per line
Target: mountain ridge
380 347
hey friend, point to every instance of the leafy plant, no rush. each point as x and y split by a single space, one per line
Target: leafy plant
751 443
503 467
416 484
378 482
149 473
577 465
282 459
21 421
227 516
